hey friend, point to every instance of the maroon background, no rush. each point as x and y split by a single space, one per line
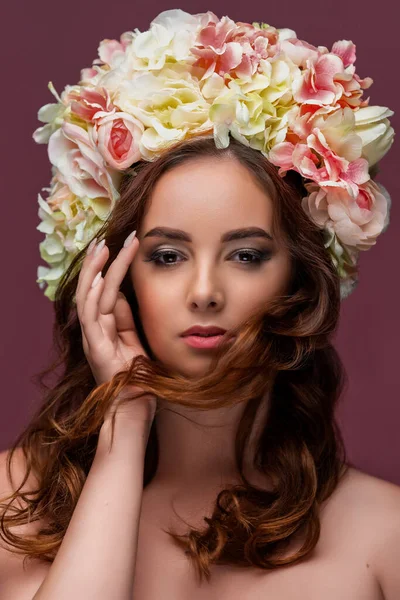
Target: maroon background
46 41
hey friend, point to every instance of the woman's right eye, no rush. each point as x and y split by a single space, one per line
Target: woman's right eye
156 256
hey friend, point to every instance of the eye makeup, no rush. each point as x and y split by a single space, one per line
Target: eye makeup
257 257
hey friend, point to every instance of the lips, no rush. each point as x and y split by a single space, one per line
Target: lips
203 342
205 331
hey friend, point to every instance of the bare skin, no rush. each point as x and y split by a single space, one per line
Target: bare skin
343 565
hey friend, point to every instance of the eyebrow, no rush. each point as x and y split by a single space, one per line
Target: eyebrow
229 236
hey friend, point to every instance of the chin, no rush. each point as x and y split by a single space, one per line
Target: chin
191 368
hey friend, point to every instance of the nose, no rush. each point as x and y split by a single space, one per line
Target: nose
205 290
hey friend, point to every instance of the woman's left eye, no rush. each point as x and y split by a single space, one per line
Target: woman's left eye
257 256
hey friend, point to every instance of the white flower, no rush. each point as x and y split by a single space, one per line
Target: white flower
53 114
69 223
169 104
169 39
373 126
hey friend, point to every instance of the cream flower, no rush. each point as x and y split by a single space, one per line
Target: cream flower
169 39
255 111
69 222
373 127
52 114
170 105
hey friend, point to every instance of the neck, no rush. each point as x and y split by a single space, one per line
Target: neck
197 448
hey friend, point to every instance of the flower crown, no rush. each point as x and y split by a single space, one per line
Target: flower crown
299 105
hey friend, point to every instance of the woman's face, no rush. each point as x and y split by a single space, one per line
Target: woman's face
204 281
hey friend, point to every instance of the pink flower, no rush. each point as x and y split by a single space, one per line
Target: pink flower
302 119
215 52
331 152
297 157
317 84
326 168
355 176
301 158
112 52
80 166
60 194
88 102
90 76
299 51
333 163
117 136
328 78
229 47
281 155
351 83
256 44
346 50
356 221
352 87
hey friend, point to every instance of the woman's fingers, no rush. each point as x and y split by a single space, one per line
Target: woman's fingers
114 277
124 321
90 314
109 334
95 304
92 264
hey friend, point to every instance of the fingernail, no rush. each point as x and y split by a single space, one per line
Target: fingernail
91 246
96 279
129 239
99 247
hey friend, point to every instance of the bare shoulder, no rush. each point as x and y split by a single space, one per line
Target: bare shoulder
370 497
17 581
11 480
374 504
376 487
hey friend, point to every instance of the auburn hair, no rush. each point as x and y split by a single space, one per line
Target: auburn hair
285 349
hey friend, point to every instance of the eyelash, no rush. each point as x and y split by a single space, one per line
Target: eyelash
260 256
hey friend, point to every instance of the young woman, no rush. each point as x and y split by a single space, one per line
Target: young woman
165 464
219 238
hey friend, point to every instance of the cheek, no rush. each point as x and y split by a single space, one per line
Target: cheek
157 306
278 276
271 283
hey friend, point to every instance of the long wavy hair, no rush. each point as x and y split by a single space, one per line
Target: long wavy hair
285 349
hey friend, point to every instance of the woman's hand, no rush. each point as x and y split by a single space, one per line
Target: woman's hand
109 336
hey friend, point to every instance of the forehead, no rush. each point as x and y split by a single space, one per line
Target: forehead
207 193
